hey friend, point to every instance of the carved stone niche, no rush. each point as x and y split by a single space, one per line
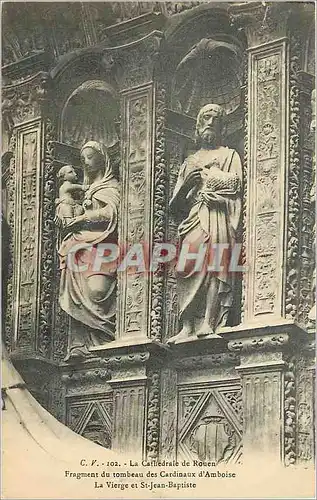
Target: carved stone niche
90 113
210 72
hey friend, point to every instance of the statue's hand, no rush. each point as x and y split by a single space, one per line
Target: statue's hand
192 179
76 222
209 199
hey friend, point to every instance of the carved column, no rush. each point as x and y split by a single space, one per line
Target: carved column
277 224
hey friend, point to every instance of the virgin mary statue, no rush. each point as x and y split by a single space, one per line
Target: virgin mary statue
88 296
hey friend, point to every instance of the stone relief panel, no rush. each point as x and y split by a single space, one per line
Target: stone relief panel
210 424
136 179
27 235
91 418
266 188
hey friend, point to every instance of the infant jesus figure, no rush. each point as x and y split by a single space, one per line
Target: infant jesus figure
68 205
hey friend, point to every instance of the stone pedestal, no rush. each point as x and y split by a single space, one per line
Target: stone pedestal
268 361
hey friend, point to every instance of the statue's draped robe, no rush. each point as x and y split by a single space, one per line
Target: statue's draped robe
75 299
206 294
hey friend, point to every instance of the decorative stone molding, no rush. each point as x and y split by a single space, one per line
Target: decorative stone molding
48 246
159 214
289 412
89 375
153 420
10 202
262 22
206 361
24 101
125 359
251 344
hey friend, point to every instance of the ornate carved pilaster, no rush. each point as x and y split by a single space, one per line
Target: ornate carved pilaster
136 208
275 280
143 172
306 239
27 109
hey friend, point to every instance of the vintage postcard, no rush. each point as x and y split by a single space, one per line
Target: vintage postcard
158 249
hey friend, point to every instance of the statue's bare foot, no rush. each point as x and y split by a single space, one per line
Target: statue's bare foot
185 332
205 331
78 354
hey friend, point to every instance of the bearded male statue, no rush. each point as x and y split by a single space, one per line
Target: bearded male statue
207 205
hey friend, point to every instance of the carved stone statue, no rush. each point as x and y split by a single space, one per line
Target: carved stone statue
69 205
207 203
88 295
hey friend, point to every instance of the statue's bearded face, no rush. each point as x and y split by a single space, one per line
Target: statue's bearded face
92 160
210 126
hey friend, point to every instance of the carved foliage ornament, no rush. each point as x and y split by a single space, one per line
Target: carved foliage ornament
268 130
48 242
25 101
159 214
10 192
293 223
27 249
136 178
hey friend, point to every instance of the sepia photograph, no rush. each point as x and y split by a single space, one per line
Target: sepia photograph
158 249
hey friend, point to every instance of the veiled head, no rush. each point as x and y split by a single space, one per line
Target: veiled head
94 155
210 124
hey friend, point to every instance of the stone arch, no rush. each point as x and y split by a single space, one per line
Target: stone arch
90 112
